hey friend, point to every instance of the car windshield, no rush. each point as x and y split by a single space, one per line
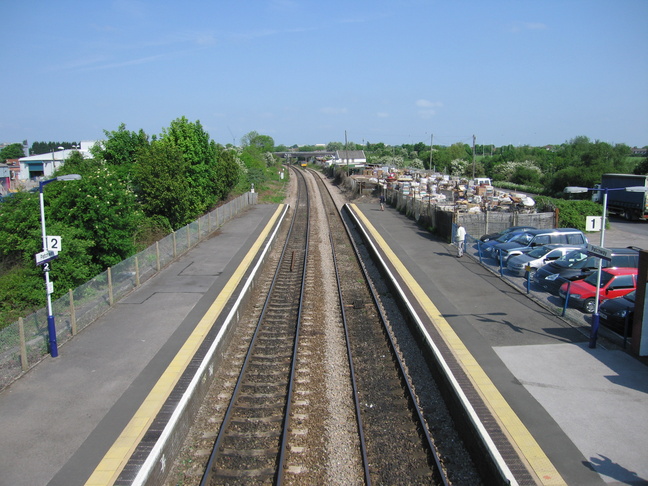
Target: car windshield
521 238
507 237
573 259
631 296
539 251
605 278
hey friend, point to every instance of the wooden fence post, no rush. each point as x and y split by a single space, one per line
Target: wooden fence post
110 287
23 346
73 322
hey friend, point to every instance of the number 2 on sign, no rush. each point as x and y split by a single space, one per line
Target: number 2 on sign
54 243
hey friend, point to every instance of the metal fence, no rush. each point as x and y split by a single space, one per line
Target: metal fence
25 342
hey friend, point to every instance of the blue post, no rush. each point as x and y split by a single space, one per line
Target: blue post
594 330
51 330
626 323
528 282
501 263
566 298
479 251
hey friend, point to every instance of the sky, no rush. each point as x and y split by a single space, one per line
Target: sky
312 72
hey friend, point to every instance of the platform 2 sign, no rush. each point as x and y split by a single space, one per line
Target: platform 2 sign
599 251
45 257
52 251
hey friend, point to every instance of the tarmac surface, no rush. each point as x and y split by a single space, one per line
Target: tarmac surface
586 408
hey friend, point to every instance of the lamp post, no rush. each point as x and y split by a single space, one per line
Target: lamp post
575 190
51 327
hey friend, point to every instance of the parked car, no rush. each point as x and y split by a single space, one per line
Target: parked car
615 282
578 264
487 247
614 312
512 229
538 237
538 256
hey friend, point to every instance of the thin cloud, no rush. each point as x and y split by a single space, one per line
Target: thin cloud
427 108
132 62
523 26
333 111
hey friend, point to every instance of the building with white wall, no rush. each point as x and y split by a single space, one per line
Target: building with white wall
44 165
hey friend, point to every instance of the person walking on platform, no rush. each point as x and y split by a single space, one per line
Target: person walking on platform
382 202
460 238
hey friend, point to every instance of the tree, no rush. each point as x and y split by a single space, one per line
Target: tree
253 140
416 164
199 151
120 147
334 146
45 147
163 187
103 208
642 167
13 151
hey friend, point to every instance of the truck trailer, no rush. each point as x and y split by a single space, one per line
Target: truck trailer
629 204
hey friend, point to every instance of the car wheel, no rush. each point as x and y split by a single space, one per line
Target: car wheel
588 305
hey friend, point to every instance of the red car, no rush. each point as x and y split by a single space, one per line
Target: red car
615 282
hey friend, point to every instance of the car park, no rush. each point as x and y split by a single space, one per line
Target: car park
538 237
512 229
578 264
615 282
536 257
615 313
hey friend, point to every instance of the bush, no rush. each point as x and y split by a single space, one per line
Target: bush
571 214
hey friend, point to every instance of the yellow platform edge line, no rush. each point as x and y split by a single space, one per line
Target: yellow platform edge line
115 459
526 443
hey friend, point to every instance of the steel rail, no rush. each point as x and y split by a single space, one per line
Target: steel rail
207 476
284 435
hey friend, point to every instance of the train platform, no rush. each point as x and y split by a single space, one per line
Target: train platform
578 416
59 421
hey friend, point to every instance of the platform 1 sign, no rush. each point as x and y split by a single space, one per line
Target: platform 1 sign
599 251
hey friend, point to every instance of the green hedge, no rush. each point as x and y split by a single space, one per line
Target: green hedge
571 213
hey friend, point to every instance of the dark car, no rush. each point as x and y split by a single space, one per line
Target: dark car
614 313
578 264
494 236
487 247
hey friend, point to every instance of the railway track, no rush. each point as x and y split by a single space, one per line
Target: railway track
320 394
252 438
396 444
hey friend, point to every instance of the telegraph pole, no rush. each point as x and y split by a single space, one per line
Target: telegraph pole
473 157
431 141
346 151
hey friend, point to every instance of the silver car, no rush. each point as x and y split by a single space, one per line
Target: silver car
537 257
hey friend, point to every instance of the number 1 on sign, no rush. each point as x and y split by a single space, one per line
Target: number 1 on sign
593 223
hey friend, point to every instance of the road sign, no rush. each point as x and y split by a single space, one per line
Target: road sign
599 251
45 256
53 243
